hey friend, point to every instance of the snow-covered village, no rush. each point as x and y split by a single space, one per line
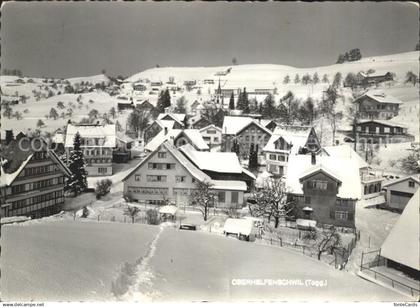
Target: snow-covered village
185 180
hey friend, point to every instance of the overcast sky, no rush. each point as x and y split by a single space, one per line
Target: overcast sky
66 39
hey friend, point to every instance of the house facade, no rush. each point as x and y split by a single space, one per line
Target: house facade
400 191
32 182
245 132
381 132
98 143
178 137
319 194
373 105
167 175
285 142
212 135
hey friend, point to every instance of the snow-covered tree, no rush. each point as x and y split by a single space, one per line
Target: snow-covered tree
325 78
286 79
326 240
77 183
297 79
337 80
138 120
164 101
53 114
112 112
271 201
411 77
132 212
315 78
203 198
181 105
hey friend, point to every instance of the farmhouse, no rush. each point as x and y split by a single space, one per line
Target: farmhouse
122 151
321 193
243 131
286 142
375 105
167 175
97 142
145 106
374 78
178 137
178 117
370 131
31 181
400 191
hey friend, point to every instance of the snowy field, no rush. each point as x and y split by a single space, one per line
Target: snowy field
69 260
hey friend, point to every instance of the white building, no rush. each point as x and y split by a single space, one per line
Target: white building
212 135
97 142
167 174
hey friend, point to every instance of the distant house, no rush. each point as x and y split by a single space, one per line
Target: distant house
31 181
227 92
194 107
212 135
401 247
324 189
58 141
400 191
243 131
286 142
178 137
208 81
178 117
372 131
168 175
375 105
145 106
139 87
201 123
374 78
156 83
122 151
97 142
126 105
262 91
190 82
159 125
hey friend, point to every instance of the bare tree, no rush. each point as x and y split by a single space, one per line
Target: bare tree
132 212
203 198
271 201
326 240
138 120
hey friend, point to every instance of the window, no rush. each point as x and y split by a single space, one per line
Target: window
211 131
216 139
154 178
281 158
193 180
341 215
221 196
102 170
272 157
161 165
307 200
411 184
180 178
137 177
161 155
317 184
247 138
234 198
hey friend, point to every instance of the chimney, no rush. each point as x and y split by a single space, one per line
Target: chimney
166 130
313 158
9 136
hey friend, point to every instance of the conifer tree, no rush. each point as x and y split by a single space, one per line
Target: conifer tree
77 182
232 102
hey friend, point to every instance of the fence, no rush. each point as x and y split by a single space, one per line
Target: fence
377 261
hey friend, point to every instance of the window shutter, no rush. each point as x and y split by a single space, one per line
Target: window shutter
332 214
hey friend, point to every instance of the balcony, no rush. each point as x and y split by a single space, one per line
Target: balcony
368 178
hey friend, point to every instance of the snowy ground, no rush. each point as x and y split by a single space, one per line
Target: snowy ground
80 260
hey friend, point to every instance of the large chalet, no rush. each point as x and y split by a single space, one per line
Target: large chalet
381 132
375 105
167 174
32 179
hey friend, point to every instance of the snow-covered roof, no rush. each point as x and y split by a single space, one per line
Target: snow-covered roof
221 162
104 132
234 124
297 141
238 226
164 123
195 171
345 171
345 151
386 122
7 179
58 138
192 134
212 126
402 243
415 178
124 137
179 117
169 209
380 97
